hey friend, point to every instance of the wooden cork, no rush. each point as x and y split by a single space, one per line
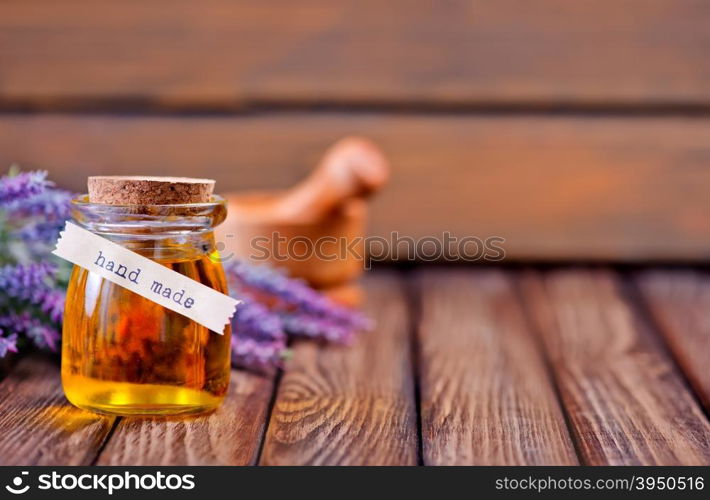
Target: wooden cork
130 190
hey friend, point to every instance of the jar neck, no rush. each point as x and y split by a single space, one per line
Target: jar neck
159 232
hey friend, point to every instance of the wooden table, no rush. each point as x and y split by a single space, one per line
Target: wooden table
466 366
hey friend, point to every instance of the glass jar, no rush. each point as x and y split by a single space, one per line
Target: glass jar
124 354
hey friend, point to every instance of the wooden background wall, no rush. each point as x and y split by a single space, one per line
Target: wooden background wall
574 129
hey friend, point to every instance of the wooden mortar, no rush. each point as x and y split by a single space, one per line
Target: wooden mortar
327 210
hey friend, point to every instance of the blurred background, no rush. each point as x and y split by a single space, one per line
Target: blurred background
576 130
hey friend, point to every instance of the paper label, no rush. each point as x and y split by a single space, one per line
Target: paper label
147 278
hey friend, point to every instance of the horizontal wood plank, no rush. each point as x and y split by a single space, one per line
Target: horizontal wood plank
231 435
679 302
217 53
351 405
38 426
486 396
554 187
627 403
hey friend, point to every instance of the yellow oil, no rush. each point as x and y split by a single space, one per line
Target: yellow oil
123 354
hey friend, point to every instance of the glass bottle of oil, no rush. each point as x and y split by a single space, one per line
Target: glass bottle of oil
124 354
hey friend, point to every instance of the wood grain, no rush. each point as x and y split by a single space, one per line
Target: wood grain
350 405
679 302
218 54
626 402
556 188
486 397
231 435
37 424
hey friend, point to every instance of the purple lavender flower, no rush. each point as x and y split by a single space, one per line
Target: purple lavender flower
315 327
33 214
54 204
42 215
29 282
293 293
39 232
44 336
7 344
253 320
23 323
257 355
53 305
23 185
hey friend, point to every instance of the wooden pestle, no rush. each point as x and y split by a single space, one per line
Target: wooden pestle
352 168
330 202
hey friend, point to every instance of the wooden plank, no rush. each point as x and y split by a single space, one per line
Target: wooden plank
350 405
555 188
486 396
37 424
217 54
231 435
626 402
679 302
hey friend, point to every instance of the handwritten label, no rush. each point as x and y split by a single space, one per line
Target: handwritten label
147 278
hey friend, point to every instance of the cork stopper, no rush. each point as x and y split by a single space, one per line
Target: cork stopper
139 190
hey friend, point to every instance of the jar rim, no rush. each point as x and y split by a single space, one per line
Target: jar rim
163 219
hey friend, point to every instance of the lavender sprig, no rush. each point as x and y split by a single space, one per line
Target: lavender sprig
7 344
30 282
38 233
31 300
23 185
254 320
293 293
315 327
258 337
53 305
258 355
54 204
42 335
